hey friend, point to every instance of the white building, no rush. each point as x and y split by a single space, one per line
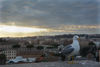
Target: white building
83 38
41 42
48 39
10 54
5 46
62 39
55 40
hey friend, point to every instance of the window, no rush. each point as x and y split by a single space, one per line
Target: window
9 51
3 51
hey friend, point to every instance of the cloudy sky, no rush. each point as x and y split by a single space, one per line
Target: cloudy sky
49 17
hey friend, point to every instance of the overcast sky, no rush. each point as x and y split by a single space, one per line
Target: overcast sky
52 17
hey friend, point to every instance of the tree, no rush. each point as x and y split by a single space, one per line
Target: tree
2 40
30 46
2 59
92 47
40 47
55 45
84 51
16 46
50 47
91 43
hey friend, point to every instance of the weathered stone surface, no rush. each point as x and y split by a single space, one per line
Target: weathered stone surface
90 56
81 63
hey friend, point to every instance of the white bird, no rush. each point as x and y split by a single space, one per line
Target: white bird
72 49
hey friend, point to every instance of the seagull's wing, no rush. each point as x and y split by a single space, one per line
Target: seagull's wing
67 50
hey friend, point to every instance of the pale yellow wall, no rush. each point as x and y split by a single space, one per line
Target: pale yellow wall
83 44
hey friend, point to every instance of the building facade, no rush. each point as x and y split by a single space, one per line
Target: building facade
10 54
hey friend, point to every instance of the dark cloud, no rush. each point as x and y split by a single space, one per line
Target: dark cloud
37 12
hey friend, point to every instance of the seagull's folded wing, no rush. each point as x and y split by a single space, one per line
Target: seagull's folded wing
67 50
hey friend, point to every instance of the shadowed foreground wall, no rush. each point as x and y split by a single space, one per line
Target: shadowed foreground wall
99 55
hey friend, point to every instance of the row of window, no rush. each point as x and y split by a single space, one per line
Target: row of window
5 46
25 49
9 46
10 54
28 53
9 51
11 57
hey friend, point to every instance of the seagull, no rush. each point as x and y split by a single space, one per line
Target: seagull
71 50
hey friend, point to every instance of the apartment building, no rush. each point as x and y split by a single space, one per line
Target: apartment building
1 51
29 52
10 54
5 46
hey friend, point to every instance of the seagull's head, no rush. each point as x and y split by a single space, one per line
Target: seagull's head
76 37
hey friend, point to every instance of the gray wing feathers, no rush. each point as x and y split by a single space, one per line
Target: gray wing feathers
68 49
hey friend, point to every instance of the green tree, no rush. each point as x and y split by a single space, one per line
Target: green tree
50 47
84 51
16 46
2 40
30 46
92 47
40 47
91 43
55 45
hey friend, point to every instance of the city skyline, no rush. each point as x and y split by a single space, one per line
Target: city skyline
20 18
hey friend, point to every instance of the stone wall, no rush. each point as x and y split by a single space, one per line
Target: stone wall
99 55
90 56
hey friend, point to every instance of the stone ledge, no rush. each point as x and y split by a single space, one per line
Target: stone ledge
80 63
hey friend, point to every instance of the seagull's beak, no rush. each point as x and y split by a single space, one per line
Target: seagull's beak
78 38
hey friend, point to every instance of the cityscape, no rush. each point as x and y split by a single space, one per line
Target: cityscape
37 46
50 33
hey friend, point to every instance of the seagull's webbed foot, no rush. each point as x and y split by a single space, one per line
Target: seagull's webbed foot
73 61
69 60
69 63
